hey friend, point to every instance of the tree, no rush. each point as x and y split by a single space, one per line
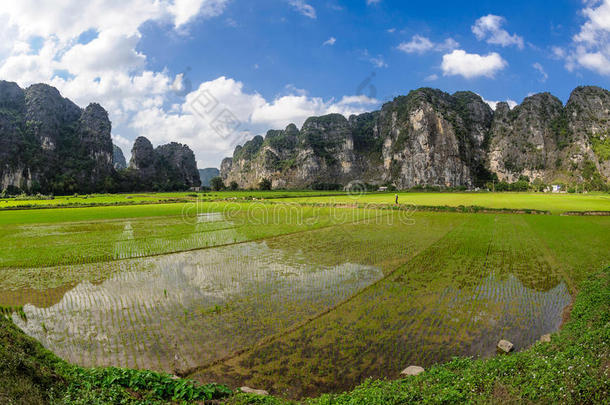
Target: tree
265 184
233 186
217 184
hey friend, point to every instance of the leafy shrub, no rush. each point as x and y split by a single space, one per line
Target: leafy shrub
265 184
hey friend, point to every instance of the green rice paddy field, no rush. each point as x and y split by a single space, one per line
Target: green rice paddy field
296 298
555 203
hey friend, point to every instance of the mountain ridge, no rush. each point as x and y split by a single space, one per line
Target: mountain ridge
48 144
433 138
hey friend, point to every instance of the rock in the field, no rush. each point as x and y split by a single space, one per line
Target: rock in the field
505 346
545 338
249 390
412 370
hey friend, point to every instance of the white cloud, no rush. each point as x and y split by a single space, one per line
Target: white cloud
543 75
489 29
67 19
420 44
590 48
108 68
184 11
493 104
372 2
191 124
433 77
304 8
377 61
330 41
471 65
125 145
110 51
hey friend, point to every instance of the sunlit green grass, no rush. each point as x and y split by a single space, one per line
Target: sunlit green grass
43 238
152 198
555 203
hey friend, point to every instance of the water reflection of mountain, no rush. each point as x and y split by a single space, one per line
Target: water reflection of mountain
197 306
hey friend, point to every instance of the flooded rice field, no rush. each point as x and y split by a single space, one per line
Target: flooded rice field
313 311
186 309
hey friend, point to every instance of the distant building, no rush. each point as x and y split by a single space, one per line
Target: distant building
383 189
555 188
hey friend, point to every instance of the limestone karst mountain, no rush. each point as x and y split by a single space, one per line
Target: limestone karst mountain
48 144
433 138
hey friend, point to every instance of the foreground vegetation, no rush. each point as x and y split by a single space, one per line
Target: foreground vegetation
573 368
89 200
554 203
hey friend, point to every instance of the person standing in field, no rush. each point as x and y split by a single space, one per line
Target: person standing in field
396 199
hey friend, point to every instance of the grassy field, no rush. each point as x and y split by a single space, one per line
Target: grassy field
45 238
555 203
151 198
296 298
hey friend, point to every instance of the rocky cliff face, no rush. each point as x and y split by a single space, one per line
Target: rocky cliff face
118 159
426 138
528 140
48 144
543 139
168 166
433 138
588 119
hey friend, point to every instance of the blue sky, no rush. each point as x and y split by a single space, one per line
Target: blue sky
267 45
272 62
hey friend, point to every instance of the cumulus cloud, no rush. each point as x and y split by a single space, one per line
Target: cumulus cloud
67 19
420 44
489 29
106 69
196 121
471 65
304 8
493 104
590 48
